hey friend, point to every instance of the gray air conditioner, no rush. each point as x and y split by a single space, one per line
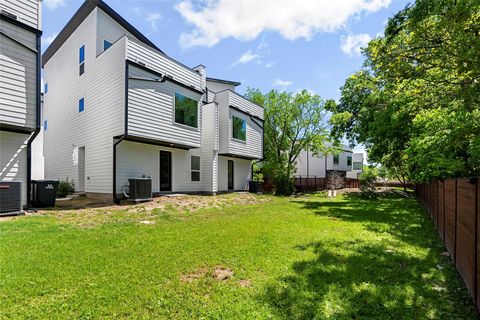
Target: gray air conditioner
10 198
140 189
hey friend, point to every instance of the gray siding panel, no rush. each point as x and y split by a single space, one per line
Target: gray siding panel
151 111
26 11
18 76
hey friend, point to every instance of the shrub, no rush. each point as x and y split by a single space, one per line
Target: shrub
257 173
65 187
367 183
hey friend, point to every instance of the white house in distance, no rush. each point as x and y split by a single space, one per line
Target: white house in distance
117 107
309 165
357 166
20 32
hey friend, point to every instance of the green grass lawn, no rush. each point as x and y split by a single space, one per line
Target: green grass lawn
292 258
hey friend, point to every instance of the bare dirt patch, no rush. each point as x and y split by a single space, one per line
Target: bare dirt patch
222 273
87 212
197 274
244 283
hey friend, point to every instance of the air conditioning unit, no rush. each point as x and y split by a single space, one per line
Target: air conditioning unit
10 198
140 189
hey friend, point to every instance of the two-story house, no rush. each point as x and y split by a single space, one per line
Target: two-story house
310 165
20 33
118 107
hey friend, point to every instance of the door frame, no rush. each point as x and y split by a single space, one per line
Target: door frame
228 175
170 187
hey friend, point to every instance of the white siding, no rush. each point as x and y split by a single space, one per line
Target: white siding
26 11
315 167
252 147
13 159
102 87
241 173
217 86
107 29
342 163
151 111
210 145
18 77
141 53
135 160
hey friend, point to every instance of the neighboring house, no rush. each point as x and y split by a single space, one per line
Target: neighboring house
309 165
357 166
20 32
117 107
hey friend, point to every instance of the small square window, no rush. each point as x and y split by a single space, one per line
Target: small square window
45 89
106 44
186 111
239 128
81 69
349 161
45 125
81 54
195 168
81 105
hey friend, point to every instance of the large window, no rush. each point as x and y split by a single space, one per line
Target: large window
195 168
186 111
239 128
81 60
349 161
357 166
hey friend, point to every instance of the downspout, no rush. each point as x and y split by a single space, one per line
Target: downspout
37 120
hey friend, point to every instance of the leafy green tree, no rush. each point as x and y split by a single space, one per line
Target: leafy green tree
416 103
293 122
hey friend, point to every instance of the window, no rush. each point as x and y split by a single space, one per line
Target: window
106 44
239 128
349 161
45 125
336 159
81 105
81 60
186 111
195 168
45 89
357 166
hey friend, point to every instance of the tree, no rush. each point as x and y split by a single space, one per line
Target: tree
293 122
416 103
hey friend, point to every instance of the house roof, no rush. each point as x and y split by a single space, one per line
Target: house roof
233 83
82 13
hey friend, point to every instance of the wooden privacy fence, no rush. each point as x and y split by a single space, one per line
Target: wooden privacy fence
454 206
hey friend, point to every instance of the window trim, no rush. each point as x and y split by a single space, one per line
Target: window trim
244 121
81 105
185 126
195 170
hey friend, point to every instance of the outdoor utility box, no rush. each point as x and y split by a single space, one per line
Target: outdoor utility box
43 193
10 197
140 189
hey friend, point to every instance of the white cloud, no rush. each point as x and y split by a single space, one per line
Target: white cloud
151 17
245 58
54 4
245 19
282 83
269 64
353 43
46 41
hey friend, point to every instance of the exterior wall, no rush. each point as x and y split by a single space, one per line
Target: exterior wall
135 160
13 159
152 59
26 11
315 167
107 29
217 87
241 173
253 147
151 110
18 77
357 157
209 150
102 86
342 163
